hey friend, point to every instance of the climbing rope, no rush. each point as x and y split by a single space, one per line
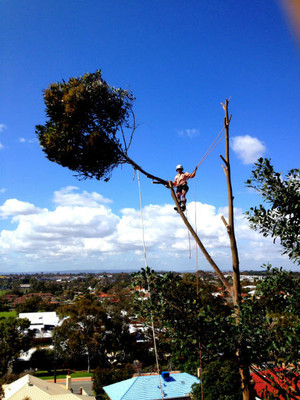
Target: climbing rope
197 291
149 291
142 220
214 144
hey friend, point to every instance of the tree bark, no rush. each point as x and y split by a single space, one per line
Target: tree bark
244 369
231 232
150 176
199 243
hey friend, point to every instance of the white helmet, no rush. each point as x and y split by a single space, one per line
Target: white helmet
179 166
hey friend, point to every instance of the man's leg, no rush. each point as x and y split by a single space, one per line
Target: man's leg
183 202
178 196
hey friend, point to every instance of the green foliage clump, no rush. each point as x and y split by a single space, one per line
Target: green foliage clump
267 332
107 376
281 220
183 318
83 331
14 338
43 360
85 116
221 380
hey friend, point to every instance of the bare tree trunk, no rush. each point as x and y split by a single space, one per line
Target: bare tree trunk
244 369
230 227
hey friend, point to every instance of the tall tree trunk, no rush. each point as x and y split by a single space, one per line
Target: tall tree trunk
230 227
244 369
88 361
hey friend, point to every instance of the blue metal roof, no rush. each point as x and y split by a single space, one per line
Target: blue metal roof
147 387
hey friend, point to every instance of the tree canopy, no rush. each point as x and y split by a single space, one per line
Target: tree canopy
83 332
281 220
86 126
266 336
14 338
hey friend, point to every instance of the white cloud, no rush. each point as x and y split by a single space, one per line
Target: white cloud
82 231
24 140
190 133
67 197
247 148
2 127
15 208
3 190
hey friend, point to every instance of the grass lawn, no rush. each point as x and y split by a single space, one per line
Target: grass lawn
62 374
7 314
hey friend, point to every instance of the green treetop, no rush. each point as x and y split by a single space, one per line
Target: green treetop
281 218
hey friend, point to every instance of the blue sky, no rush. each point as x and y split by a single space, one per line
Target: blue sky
180 59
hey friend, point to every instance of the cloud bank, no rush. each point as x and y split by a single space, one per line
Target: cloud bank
82 232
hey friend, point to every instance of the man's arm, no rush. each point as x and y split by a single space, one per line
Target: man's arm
193 173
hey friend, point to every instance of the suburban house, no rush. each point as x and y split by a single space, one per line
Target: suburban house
48 297
169 385
42 323
33 388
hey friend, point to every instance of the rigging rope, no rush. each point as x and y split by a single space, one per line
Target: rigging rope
214 144
146 265
197 289
142 221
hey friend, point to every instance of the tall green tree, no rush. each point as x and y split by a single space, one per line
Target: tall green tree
14 338
83 331
184 318
89 332
279 217
268 331
221 380
107 376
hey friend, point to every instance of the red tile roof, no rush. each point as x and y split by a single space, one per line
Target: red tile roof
277 382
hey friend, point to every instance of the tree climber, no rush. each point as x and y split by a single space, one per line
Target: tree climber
182 188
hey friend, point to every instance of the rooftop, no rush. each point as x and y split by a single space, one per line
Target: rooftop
150 387
36 389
